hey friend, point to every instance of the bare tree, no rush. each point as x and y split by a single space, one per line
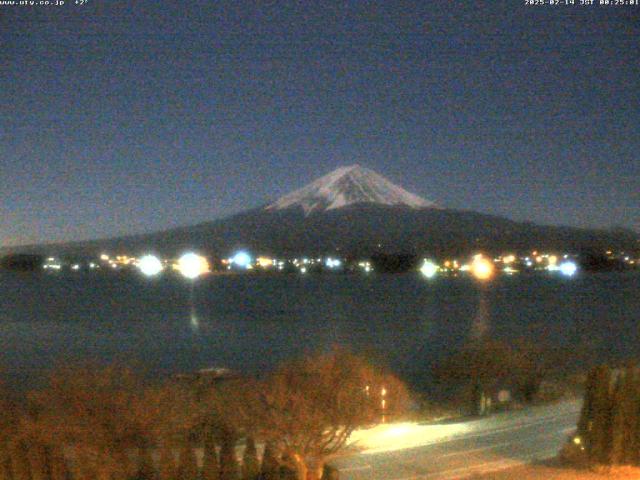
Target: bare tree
20 461
250 464
107 424
58 464
167 467
485 365
8 428
531 363
310 407
210 464
478 368
146 468
94 412
187 463
270 463
227 408
229 468
174 412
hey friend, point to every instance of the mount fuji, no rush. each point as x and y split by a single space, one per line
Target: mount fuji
352 211
354 185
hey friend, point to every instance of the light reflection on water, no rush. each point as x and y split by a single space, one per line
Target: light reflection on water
251 323
480 324
193 314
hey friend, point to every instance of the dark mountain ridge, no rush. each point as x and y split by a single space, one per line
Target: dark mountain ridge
352 211
355 230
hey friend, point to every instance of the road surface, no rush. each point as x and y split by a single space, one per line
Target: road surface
458 450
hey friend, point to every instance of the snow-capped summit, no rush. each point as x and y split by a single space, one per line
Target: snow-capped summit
348 186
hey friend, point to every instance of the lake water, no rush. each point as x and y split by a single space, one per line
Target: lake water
250 323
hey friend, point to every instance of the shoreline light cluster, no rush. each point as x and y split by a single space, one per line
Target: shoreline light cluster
191 265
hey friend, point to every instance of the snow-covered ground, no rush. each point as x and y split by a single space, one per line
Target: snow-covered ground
400 436
445 451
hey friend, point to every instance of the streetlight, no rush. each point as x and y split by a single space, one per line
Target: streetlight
429 269
191 266
242 259
568 269
383 403
150 265
481 268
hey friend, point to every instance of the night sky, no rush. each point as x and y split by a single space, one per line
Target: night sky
124 117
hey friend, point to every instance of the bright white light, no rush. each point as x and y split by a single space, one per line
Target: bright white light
429 269
509 259
265 262
192 266
481 268
150 265
241 259
399 436
568 268
332 262
303 270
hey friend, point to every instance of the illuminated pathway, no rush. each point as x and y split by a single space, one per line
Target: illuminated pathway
458 450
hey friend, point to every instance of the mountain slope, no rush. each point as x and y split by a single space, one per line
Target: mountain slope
353 211
357 230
